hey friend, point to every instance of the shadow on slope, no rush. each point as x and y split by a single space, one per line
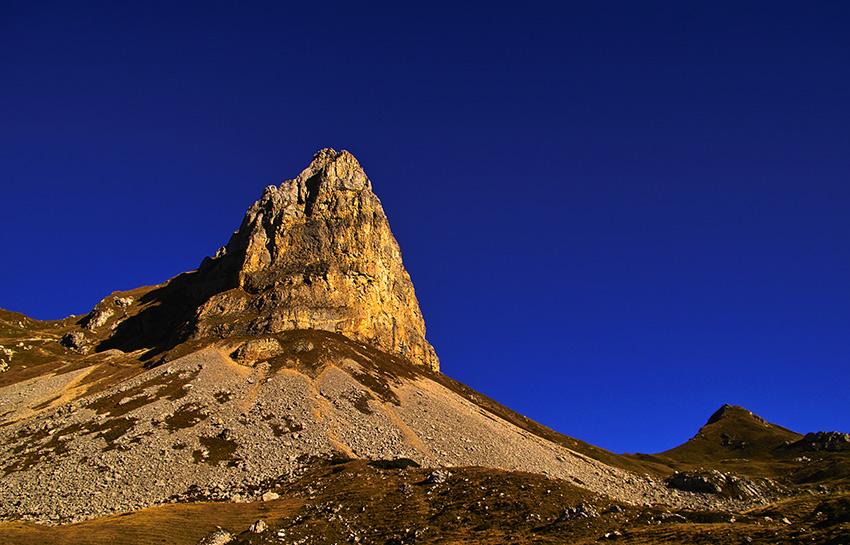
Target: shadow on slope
160 317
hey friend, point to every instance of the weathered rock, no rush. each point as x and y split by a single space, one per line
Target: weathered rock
98 316
735 486
667 517
750 489
694 482
75 340
437 476
303 346
832 441
258 527
216 537
270 496
580 511
256 350
317 253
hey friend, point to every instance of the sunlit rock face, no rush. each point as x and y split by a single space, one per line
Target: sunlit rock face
317 253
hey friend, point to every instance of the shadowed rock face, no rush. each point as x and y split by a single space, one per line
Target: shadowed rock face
316 253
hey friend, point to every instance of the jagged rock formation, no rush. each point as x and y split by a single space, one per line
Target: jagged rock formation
314 253
826 440
317 253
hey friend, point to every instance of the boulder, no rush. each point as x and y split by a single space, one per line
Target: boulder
580 511
270 496
216 537
437 476
76 341
694 482
256 350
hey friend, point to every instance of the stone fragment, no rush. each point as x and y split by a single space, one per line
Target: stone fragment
437 476
580 511
216 537
270 496
668 517
258 527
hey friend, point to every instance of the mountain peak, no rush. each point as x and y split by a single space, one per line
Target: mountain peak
339 170
317 252
726 411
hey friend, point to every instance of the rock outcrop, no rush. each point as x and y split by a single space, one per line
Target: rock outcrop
832 441
714 482
316 253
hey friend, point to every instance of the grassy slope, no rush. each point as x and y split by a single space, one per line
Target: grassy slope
171 524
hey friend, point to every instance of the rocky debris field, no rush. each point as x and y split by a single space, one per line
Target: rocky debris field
395 502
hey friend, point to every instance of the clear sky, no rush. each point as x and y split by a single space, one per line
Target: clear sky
617 215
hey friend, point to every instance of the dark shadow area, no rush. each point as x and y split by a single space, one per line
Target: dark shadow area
167 311
312 184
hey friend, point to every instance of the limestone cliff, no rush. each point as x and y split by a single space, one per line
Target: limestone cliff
316 253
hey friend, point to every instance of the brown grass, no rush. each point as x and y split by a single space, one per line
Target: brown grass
178 524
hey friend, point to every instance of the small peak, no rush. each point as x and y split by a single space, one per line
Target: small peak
726 411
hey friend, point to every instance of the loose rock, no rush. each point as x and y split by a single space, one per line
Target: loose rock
216 537
580 511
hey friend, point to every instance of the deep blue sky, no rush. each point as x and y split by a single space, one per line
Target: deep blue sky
617 215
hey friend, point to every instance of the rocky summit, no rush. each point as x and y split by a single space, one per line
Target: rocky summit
284 392
317 253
